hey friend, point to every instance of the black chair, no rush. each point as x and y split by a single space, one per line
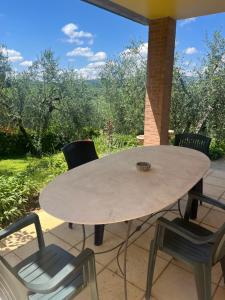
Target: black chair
200 143
76 154
192 244
194 141
49 273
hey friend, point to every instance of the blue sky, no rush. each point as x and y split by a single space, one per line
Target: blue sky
84 36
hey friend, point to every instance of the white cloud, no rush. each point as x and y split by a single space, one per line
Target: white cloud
92 70
26 63
98 56
189 73
190 50
141 51
75 36
223 58
187 21
12 54
88 53
81 51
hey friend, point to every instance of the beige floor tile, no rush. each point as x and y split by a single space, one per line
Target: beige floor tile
218 181
32 246
215 218
72 236
137 264
216 270
144 240
213 190
12 259
52 239
98 266
120 229
4 249
48 222
222 284
220 294
218 173
27 250
110 241
111 287
175 284
19 238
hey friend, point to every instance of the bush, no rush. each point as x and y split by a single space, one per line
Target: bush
217 149
19 192
113 143
12 144
15 191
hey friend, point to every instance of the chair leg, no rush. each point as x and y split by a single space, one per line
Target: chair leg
93 280
203 281
222 263
99 234
192 212
151 267
70 225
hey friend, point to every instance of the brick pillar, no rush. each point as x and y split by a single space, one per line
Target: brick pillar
159 80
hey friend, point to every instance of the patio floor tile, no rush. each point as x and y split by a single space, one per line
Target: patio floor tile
137 263
215 218
32 246
19 238
220 294
98 266
72 236
120 229
12 259
176 284
218 181
48 222
110 287
144 242
213 190
110 241
216 270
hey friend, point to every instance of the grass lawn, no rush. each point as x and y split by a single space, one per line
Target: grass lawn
40 170
15 164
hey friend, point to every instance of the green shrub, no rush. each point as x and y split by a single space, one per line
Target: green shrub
217 149
19 192
12 144
15 191
116 142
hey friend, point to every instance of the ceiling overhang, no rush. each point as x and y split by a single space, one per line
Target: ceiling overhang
142 11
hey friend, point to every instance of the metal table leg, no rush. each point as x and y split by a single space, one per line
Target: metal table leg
192 206
125 259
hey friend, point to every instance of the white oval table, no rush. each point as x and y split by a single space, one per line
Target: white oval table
111 189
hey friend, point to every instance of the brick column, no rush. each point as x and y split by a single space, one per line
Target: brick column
159 80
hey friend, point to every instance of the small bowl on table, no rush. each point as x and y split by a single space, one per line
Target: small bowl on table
143 166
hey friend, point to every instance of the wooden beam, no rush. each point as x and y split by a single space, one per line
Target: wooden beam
119 10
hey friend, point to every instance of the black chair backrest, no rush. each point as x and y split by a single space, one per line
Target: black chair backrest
193 141
79 153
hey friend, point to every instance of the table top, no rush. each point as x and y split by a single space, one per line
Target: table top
111 189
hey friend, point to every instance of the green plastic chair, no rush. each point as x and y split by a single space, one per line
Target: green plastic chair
50 273
192 244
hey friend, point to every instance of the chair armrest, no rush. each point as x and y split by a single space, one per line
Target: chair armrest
73 267
206 199
186 234
23 222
